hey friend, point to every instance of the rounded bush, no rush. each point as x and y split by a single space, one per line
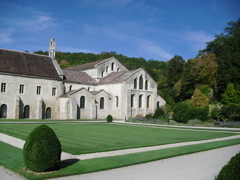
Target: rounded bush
230 171
42 150
109 118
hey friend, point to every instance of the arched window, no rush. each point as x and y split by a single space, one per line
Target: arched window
3 111
158 104
132 100
26 112
140 101
148 101
141 82
118 69
146 85
112 66
116 101
102 73
107 69
101 103
135 83
48 113
82 102
70 88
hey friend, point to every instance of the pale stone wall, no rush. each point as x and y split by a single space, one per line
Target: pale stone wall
38 104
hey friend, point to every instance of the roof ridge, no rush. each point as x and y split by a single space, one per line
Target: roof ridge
25 52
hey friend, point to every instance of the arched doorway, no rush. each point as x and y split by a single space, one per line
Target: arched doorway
3 111
26 112
48 113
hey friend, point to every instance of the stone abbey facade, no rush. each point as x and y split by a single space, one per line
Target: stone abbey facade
34 86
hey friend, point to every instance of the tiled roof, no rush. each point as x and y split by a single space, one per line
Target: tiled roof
85 66
78 77
23 63
116 77
66 94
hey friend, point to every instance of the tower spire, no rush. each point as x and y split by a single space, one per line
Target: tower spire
52 48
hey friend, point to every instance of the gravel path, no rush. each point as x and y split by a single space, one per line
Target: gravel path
198 166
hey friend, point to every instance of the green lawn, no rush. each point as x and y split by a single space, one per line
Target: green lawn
96 137
99 137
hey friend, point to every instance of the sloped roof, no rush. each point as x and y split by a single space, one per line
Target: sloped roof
85 66
116 77
29 64
78 77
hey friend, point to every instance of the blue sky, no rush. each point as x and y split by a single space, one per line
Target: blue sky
152 29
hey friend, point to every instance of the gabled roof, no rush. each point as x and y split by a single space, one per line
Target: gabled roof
78 77
85 66
22 63
116 77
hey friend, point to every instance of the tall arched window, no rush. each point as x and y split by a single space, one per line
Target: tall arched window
146 85
148 101
26 112
107 69
140 101
70 87
3 111
141 82
132 100
82 102
158 104
135 83
112 66
101 103
116 101
48 113
102 73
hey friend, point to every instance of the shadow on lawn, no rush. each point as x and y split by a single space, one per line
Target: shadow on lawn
67 162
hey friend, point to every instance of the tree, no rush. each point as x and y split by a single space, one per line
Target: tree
226 46
199 99
231 95
204 69
174 70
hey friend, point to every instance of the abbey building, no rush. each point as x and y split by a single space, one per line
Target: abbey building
34 86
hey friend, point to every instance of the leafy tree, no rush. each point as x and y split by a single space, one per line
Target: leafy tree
204 69
199 99
226 46
174 70
231 95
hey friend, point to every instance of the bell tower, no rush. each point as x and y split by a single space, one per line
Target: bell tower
52 48
52 51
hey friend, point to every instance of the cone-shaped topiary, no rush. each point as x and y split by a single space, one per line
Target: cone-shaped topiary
109 118
42 150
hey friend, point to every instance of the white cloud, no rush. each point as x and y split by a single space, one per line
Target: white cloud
39 22
197 39
143 44
5 38
72 50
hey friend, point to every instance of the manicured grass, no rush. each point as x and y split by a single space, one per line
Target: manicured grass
15 162
100 137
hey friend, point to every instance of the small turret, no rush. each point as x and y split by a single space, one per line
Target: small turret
52 51
52 48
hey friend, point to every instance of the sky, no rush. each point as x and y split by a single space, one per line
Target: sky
151 29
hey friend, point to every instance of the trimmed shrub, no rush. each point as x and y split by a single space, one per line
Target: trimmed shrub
231 171
194 122
183 112
149 116
159 113
42 150
109 118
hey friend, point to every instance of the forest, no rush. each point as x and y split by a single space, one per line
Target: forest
210 80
